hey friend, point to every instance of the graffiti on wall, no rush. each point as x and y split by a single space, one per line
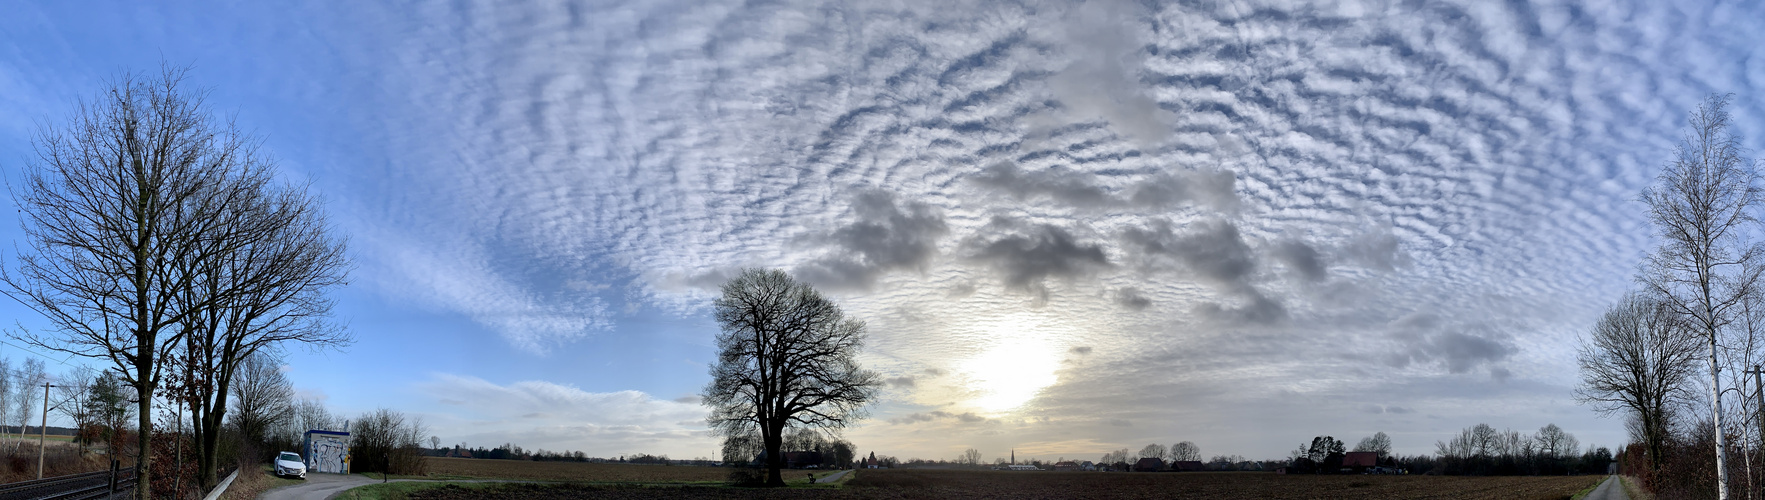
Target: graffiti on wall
327 453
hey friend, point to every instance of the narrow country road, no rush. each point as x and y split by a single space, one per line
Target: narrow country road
1610 489
833 477
318 486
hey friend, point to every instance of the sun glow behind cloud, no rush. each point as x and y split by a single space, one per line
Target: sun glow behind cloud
1019 361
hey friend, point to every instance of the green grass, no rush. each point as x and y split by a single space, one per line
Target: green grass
33 437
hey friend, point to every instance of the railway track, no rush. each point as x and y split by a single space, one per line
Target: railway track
88 486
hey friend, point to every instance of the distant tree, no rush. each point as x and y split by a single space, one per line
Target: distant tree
971 456
786 356
1702 206
30 377
113 405
1185 451
387 441
1153 451
1554 443
1327 452
1637 361
1377 443
74 399
264 399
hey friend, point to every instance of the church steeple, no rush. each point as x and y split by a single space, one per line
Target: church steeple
1014 456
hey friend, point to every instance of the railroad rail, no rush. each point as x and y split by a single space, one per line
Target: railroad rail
88 486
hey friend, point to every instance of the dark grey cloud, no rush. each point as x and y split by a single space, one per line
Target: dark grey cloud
900 382
1253 309
1132 299
1158 191
1025 254
885 236
1302 259
1080 350
1211 249
1426 339
940 415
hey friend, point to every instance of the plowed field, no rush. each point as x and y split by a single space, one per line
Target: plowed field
909 483
571 471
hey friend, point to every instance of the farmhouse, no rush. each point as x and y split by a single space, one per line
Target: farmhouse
1149 464
1359 460
1067 465
1188 466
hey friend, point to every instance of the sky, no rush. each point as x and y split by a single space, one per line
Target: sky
1071 228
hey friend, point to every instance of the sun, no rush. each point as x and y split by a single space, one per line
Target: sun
1016 364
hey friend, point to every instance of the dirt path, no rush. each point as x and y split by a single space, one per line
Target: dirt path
1610 489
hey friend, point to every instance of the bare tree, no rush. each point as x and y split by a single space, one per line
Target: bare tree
971 456
785 358
27 379
1153 451
1378 443
262 291
1701 206
1554 443
74 399
1636 362
1185 452
311 415
120 204
264 398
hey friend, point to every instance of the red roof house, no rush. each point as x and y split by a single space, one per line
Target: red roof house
1360 459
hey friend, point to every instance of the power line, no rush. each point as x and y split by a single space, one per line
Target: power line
41 355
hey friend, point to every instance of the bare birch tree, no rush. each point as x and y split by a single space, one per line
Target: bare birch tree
1702 207
120 203
785 358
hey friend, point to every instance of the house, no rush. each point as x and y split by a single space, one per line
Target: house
1188 466
1149 464
1022 467
1087 465
1359 460
1067 465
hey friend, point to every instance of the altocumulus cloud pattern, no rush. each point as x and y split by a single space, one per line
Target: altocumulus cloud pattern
1260 206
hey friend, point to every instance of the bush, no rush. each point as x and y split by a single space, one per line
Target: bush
385 441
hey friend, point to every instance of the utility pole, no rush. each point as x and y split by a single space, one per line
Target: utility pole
1759 393
42 432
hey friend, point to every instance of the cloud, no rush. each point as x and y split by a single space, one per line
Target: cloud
935 416
538 413
1302 259
1130 298
1080 350
1159 191
1428 340
1211 249
885 237
1025 254
899 382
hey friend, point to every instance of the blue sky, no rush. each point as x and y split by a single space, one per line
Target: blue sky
1072 228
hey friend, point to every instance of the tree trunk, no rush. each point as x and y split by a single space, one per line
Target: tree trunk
1716 411
774 456
144 438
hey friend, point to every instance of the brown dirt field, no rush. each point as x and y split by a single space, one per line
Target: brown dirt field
570 471
908 483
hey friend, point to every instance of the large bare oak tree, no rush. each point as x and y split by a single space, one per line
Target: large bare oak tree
785 359
1702 208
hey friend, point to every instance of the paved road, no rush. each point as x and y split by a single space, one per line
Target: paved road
833 477
318 486
1610 489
